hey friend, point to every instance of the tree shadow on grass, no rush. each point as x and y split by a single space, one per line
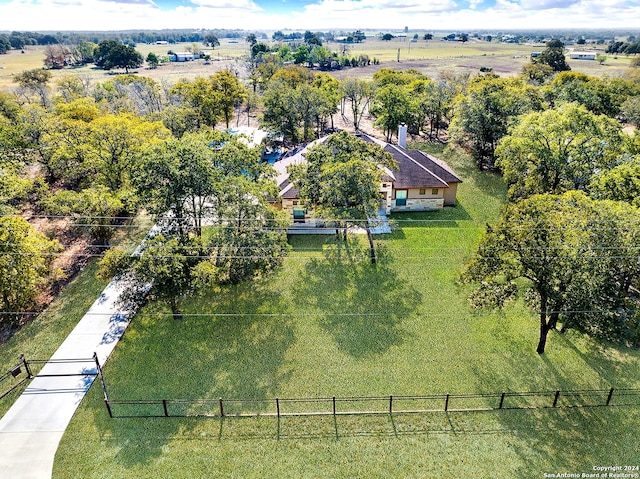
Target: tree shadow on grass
361 305
231 343
563 439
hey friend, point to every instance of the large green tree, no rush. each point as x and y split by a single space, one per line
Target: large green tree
111 54
557 150
553 56
392 106
340 181
249 237
620 183
562 254
482 116
176 181
229 93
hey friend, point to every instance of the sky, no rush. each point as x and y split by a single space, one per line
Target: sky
317 15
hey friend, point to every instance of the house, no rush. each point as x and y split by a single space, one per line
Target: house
422 182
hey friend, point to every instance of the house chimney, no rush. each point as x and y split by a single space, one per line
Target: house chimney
402 135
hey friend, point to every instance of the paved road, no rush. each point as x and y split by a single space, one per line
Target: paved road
31 430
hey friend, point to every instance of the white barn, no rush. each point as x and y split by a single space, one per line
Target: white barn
583 55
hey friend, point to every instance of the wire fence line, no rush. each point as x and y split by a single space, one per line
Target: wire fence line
26 370
337 406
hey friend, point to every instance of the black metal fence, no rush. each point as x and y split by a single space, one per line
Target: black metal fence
334 406
327 406
27 369
15 377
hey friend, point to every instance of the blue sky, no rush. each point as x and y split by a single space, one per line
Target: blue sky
433 15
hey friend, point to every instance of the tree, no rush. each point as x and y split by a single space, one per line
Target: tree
631 110
391 106
427 37
482 117
58 56
340 181
111 54
229 93
14 183
620 183
96 206
249 237
599 95
251 39
557 150
200 96
163 268
114 142
387 36
35 81
555 251
431 102
279 113
358 93
210 40
25 258
153 60
5 44
331 92
85 51
176 181
72 87
553 55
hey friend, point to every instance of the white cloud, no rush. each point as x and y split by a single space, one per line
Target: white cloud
327 14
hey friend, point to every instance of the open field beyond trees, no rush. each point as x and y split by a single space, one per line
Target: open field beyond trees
429 58
288 336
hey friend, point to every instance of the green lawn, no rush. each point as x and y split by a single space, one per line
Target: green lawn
289 335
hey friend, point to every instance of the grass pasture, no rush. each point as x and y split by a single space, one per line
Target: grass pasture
430 58
328 325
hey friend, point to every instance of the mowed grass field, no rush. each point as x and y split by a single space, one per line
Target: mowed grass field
328 325
429 57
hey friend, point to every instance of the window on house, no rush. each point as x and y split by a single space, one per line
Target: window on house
401 197
422 191
434 191
296 203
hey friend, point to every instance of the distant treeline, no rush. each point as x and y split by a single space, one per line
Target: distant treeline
19 40
628 48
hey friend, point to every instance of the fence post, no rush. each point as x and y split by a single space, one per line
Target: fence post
26 366
106 403
164 406
221 408
555 399
102 382
609 396
501 401
278 407
446 403
390 404
334 406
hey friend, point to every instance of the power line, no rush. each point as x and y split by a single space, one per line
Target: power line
439 313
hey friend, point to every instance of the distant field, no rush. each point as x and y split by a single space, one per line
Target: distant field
430 58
